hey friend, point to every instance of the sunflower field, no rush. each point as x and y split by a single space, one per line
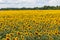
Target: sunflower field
30 25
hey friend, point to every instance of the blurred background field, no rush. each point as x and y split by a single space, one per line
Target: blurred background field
30 25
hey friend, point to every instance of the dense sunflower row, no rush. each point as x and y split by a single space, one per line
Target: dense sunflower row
29 25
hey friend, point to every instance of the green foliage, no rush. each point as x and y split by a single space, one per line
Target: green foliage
35 8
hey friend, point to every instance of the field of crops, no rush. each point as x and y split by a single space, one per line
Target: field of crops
30 25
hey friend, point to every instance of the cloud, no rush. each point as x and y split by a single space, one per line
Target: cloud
28 3
1 0
18 1
53 2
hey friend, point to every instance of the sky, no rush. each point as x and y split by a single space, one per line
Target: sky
27 3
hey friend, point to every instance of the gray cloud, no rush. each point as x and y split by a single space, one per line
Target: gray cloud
28 3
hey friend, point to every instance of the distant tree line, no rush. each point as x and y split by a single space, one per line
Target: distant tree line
35 8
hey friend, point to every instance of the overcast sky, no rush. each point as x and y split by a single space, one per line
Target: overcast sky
27 3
